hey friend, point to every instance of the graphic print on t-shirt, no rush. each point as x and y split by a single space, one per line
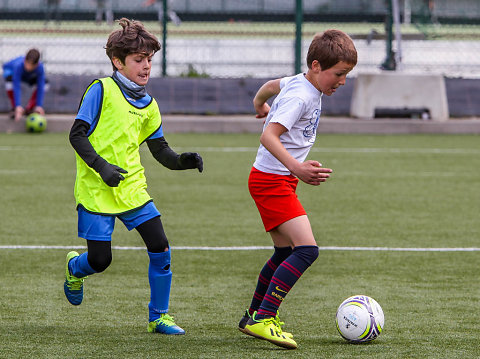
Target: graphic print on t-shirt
311 128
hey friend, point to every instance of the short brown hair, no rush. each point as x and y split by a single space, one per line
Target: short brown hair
132 38
331 47
33 56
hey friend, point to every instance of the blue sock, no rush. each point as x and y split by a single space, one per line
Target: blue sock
286 275
79 266
160 278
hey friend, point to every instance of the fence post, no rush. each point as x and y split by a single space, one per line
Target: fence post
164 38
398 33
389 62
298 36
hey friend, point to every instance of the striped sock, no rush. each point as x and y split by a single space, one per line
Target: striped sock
280 254
284 278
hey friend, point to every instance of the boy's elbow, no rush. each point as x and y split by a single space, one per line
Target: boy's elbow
74 140
72 137
78 131
264 139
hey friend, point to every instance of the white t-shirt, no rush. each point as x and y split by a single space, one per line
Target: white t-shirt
297 107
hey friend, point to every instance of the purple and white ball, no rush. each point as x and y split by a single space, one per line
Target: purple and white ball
360 319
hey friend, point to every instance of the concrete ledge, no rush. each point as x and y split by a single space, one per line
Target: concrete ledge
212 124
396 126
393 90
334 125
250 124
55 123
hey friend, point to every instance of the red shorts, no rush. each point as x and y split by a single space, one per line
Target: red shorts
275 197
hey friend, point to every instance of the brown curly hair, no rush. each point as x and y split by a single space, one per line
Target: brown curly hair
331 47
132 38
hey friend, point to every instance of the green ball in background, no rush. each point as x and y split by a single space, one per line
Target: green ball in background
36 123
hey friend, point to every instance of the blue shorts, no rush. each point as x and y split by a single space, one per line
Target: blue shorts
99 227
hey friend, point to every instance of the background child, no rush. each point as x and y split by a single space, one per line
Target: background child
116 115
288 134
27 69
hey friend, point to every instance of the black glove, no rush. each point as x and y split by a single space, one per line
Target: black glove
111 174
189 160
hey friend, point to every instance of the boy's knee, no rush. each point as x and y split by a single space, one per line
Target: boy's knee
99 262
158 246
307 253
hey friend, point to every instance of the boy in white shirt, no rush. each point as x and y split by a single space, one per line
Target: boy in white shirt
288 134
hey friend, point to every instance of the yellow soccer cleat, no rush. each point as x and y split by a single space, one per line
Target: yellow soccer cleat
280 324
246 317
268 329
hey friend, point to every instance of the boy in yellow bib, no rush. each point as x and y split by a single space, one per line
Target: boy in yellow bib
115 116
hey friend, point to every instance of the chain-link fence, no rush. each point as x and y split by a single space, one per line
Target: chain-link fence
249 38
446 9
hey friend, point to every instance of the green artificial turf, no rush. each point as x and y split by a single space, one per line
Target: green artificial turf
411 192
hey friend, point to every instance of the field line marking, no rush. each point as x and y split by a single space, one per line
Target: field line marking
254 248
459 151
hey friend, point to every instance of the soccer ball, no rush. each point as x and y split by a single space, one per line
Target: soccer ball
36 123
360 319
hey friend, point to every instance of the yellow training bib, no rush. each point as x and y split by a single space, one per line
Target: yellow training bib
120 130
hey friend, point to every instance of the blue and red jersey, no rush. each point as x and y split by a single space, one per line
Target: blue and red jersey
14 71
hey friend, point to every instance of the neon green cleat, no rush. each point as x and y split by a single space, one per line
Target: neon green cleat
280 324
246 317
73 286
165 325
268 329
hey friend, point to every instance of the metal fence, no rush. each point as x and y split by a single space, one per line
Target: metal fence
438 8
434 39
